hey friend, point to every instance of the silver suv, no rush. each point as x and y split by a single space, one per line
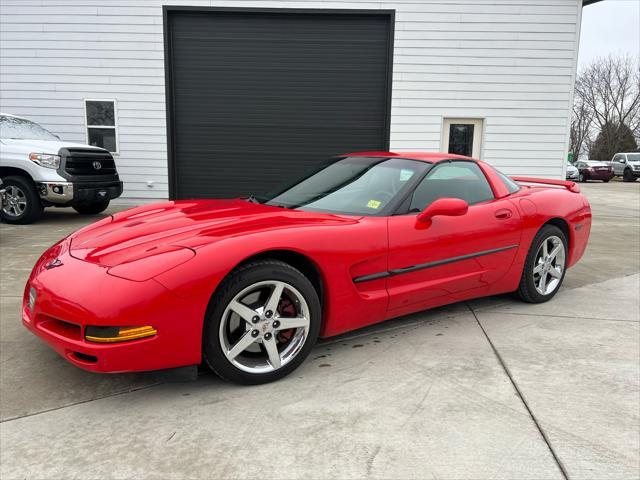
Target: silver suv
626 165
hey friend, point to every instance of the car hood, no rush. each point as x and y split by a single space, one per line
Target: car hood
171 226
42 146
571 168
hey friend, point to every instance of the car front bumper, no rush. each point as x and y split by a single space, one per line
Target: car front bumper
72 294
64 193
573 176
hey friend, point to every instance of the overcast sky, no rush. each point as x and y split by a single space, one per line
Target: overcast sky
611 26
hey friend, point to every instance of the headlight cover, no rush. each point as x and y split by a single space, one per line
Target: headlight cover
47 160
143 269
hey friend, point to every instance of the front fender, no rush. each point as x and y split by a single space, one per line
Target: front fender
337 251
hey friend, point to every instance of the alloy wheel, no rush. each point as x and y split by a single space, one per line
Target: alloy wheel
549 265
16 201
264 327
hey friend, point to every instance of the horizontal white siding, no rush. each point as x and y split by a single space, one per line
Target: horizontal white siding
510 62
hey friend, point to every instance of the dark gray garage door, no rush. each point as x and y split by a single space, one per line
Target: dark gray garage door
256 97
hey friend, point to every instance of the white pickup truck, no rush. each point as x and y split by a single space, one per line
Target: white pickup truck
626 165
39 170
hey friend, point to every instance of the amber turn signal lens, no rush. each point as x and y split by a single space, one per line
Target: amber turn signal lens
118 334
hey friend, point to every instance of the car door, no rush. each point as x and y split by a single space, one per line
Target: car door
615 162
620 164
445 260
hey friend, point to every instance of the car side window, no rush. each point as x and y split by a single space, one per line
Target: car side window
462 180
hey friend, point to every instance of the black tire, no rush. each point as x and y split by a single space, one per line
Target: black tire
527 291
628 176
582 178
26 189
91 208
606 180
236 282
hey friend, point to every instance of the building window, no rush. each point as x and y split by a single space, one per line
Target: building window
461 139
462 136
102 130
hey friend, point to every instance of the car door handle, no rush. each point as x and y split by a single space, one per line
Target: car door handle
503 213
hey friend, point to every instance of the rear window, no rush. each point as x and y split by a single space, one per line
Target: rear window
512 186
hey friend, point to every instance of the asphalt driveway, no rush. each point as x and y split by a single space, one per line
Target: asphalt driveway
487 389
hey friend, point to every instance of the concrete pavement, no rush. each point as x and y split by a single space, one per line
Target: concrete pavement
490 389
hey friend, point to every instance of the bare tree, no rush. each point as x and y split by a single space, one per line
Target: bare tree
607 97
581 127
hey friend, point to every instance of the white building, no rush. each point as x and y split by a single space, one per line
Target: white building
255 91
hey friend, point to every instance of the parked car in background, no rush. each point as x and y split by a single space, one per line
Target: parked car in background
572 172
594 170
39 170
626 165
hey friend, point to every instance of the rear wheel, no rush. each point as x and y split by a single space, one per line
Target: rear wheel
545 266
262 323
23 202
628 176
91 208
606 180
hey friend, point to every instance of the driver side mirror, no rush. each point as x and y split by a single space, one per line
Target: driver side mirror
448 207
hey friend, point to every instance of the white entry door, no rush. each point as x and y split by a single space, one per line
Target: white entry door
462 136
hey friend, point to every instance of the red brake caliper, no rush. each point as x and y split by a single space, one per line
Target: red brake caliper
286 309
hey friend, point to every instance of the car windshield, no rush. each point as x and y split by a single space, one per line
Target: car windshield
352 185
633 157
21 129
593 163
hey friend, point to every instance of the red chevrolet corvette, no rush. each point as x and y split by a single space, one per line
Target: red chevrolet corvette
248 285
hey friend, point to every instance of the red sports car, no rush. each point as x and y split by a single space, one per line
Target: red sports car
248 285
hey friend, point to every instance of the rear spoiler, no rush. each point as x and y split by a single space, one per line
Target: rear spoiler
571 186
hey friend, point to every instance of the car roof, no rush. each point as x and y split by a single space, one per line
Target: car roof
430 157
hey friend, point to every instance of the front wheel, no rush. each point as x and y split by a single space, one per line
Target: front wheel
91 208
23 202
581 178
545 266
261 323
628 176
606 180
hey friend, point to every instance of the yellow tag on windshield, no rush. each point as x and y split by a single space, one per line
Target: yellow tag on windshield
374 204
